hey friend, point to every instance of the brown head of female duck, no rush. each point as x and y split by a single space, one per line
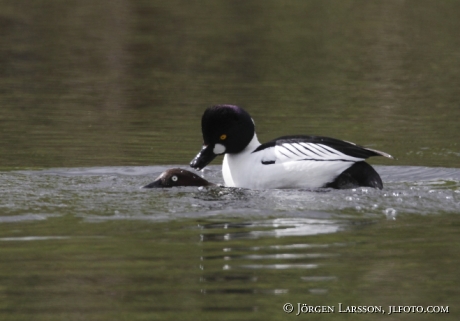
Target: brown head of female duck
178 177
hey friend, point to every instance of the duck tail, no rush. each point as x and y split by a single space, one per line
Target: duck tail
380 153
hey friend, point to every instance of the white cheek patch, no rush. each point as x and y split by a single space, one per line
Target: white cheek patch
219 149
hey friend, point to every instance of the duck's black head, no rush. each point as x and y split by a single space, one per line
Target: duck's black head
178 177
226 129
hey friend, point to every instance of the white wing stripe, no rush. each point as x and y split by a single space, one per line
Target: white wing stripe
286 153
311 151
302 152
319 150
342 155
336 152
290 149
332 150
300 149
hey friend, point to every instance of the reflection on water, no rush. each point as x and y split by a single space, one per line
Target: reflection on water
275 228
33 238
231 268
235 258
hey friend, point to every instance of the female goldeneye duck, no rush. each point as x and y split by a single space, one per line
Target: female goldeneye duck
178 177
286 162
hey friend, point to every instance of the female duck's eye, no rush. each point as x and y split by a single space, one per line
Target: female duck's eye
223 137
174 178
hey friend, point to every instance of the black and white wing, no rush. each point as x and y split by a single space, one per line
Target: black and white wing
314 148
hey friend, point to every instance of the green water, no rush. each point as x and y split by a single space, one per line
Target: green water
125 83
177 270
99 97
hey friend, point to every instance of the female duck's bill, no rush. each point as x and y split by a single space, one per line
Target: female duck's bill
178 177
287 162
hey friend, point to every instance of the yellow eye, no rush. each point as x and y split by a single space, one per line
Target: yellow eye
223 137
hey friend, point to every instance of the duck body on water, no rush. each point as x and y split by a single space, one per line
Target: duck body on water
287 162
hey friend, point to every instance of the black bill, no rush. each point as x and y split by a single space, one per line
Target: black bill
204 157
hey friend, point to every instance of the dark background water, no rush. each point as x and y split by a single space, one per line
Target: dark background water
99 97
97 83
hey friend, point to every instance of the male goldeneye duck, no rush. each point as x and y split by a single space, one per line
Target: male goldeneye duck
286 162
178 177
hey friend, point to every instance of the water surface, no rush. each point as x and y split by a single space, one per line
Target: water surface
88 242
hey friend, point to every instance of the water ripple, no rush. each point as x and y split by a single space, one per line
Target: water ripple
112 193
